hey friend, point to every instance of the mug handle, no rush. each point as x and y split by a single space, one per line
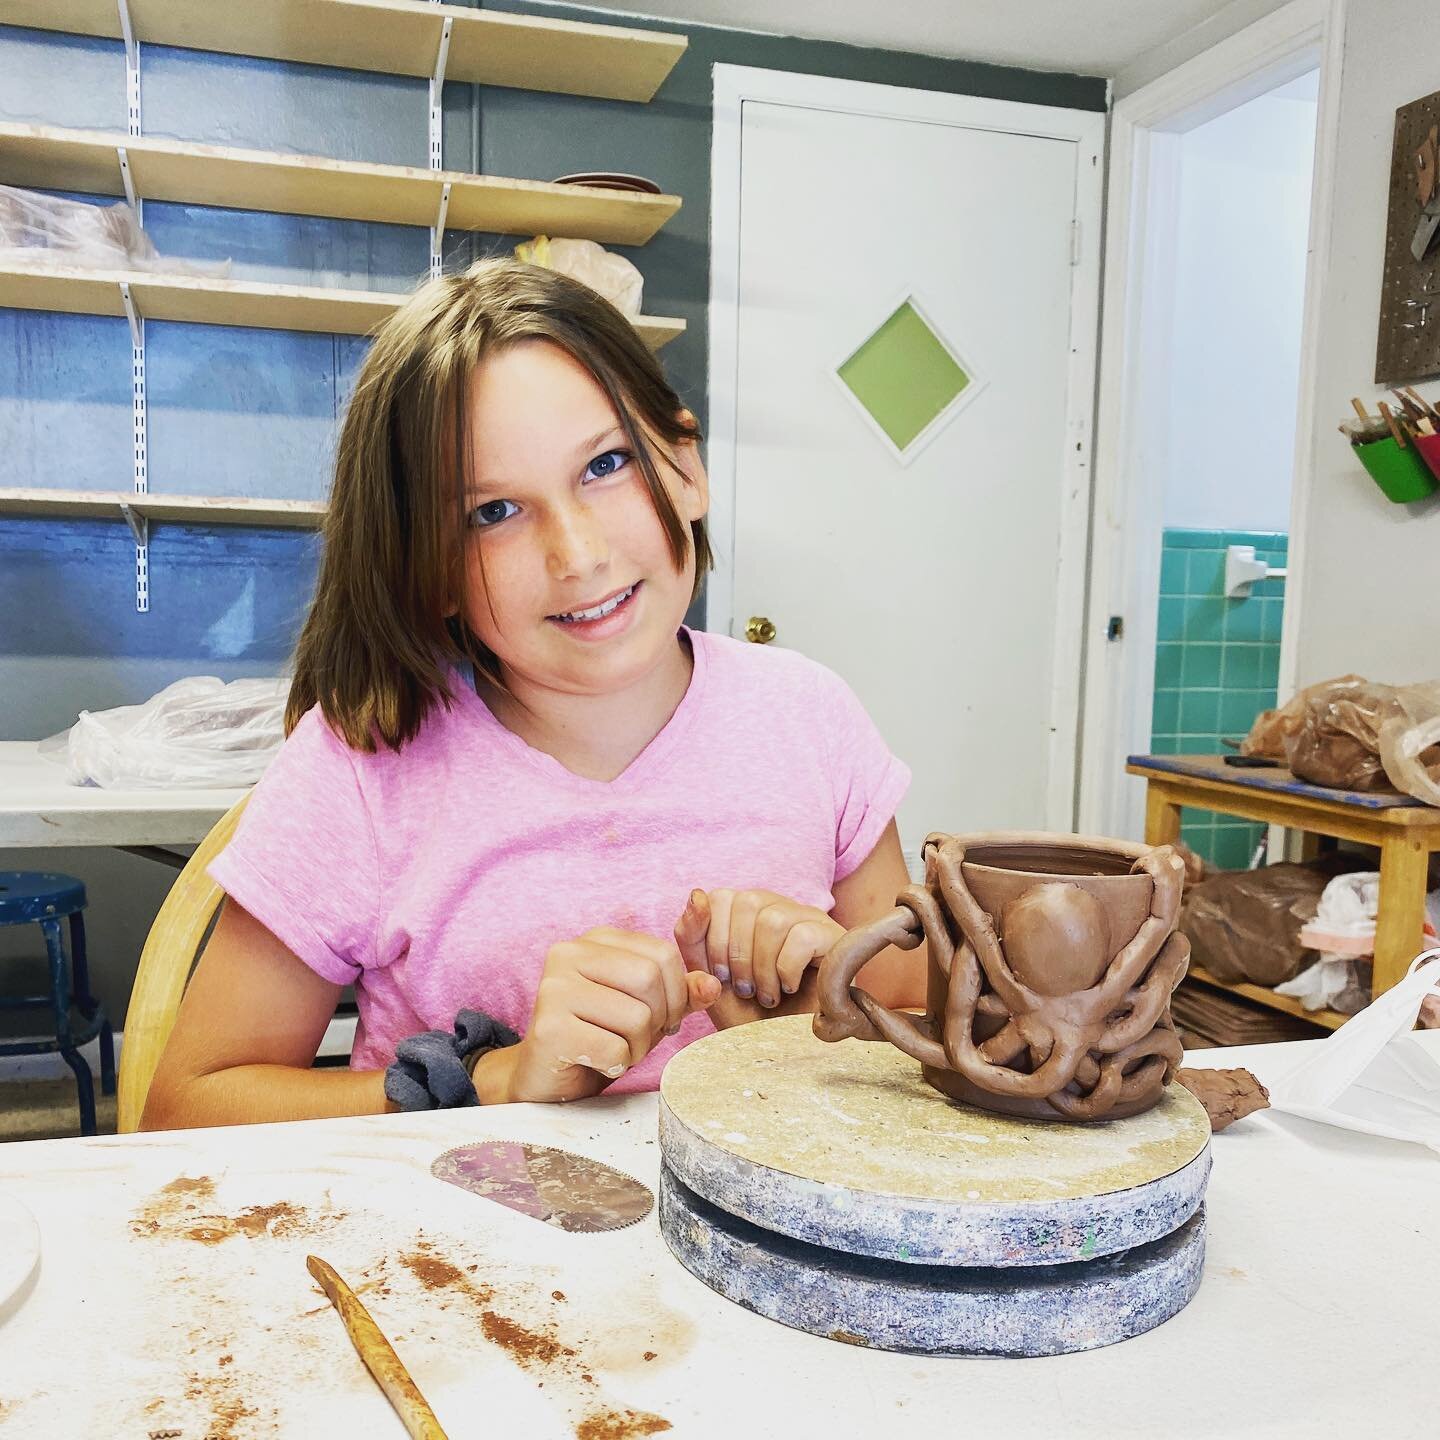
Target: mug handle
846 1011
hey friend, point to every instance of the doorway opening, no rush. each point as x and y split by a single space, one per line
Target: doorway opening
1217 202
1222 435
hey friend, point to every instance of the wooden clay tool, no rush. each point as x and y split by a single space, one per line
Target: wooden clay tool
378 1354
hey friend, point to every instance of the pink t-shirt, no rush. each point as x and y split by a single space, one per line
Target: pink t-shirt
439 878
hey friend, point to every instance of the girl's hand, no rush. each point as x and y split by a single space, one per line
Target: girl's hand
604 1002
760 945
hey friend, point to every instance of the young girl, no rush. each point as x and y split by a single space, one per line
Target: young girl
514 782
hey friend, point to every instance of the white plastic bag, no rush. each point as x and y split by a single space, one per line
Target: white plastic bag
1373 1074
45 230
612 276
198 733
1343 930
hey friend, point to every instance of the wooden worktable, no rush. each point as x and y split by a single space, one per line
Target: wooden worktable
1405 832
172 1295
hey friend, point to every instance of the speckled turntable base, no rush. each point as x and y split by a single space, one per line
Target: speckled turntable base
830 1188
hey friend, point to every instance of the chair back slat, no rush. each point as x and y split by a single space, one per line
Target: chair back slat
165 965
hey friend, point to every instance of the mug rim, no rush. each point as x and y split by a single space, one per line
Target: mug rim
1124 850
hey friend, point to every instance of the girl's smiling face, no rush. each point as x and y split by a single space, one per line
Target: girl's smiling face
570 579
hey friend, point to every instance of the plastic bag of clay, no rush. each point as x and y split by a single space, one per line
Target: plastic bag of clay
45 230
1244 925
199 733
613 276
1336 741
1373 1074
1273 728
1410 741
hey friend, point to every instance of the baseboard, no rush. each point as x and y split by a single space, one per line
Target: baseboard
339 1040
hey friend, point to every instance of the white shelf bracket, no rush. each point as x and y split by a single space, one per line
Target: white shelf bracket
137 333
437 94
126 178
132 66
437 232
139 524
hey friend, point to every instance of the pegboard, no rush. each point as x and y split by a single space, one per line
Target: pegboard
1408 347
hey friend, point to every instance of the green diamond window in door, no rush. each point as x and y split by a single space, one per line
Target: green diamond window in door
904 376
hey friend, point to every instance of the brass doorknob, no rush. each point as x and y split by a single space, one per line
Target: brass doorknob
759 631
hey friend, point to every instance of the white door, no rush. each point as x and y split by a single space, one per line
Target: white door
912 511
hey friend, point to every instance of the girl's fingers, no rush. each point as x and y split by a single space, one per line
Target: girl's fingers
633 1021
667 959
579 1042
740 945
773 926
691 929
703 989
804 944
717 937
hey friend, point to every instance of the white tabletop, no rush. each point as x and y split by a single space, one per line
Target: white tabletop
39 807
1316 1316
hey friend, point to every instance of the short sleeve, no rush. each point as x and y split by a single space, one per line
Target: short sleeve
867 781
303 858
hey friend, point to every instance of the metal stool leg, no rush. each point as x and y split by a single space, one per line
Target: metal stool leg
60 999
88 1004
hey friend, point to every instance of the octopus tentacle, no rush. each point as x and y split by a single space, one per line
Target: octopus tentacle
977 926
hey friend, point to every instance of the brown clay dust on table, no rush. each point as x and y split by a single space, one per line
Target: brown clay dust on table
559 1363
182 1210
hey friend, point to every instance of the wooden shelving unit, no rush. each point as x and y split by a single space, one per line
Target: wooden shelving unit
48 157
394 37
1330 1019
397 37
199 301
194 509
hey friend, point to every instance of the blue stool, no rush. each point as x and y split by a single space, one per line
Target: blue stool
28 897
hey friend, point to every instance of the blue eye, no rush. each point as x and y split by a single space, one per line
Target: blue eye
492 512
611 462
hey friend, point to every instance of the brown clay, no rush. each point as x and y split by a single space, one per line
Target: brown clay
1051 963
1227 1095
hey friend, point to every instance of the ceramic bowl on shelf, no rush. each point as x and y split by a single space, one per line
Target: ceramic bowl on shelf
609 180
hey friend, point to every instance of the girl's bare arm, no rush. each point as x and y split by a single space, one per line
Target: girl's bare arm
246 1036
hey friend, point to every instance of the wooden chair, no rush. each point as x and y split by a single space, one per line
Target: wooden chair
165 965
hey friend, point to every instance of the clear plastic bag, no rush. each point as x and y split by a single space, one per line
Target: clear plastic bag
199 733
1410 741
612 276
46 230
1356 734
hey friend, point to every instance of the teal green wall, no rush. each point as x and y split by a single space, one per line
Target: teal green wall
1217 663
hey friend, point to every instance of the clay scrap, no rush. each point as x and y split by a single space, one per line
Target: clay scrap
1227 1095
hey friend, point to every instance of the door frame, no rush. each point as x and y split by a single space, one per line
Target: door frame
733 86
1141 214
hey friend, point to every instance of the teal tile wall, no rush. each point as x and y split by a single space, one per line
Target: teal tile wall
1217 662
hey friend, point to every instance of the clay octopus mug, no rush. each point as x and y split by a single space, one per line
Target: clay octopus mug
1052 959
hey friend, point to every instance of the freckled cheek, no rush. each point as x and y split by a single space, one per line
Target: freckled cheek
505 582
633 527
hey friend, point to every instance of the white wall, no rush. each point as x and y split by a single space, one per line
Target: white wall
1240 250
1369 601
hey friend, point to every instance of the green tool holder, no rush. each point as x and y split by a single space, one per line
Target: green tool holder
1401 474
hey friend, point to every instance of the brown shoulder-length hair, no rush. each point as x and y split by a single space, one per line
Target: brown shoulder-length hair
377 652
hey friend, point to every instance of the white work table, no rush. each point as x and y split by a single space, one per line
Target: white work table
39 807
1316 1316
